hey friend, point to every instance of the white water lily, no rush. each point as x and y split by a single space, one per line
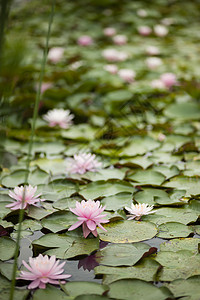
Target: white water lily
59 117
138 210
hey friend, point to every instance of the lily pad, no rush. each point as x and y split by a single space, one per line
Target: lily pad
145 270
173 230
59 221
127 231
7 248
180 264
133 289
186 289
117 201
121 255
105 188
147 177
65 245
81 287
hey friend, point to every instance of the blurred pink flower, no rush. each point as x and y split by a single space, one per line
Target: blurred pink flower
127 75
144 30
152 50
26 192
160 30
59 117
161 137
114 55
157 84
83 162
44 86
168 79
109 31
138 210
55 54
43 270
120 39
89 216
111 69
167 21
142 13
153 62
85 40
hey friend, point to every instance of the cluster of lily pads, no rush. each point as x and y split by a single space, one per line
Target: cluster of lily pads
117 135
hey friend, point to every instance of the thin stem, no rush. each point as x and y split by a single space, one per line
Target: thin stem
35 113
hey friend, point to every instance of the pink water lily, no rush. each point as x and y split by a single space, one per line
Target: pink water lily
138 210
144 30
120 39
26 192
127 75
85 40
82 163
43 270
89 216
109 31
55 54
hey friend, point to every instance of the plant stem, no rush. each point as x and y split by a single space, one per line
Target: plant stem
35 113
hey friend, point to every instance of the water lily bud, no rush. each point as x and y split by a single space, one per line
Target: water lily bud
160 30
85 40
144 30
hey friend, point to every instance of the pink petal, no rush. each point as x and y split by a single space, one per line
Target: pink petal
34 284
86 230
91 225
74 226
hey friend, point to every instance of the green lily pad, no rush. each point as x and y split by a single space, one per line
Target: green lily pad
105 188
181 214
133 289
180 264
105 174
147 177
5 291
186 289
145 270
82 287
139 146
81 132
184 111
50 293
59 221
173 230
55 166
121 255
7 248
190 184
117 201
127 231
175 245
65 245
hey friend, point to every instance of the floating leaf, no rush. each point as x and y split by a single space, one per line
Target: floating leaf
173 230
117 201
66 245
127 231
147 177
7 248
186 289
179 264
145 270
105 188
81 287
133 289
121 255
